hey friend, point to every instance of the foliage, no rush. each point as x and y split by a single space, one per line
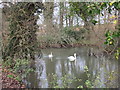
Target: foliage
66 81
117 54
71 33
85 10
111 36
88 83
96 83
111 78
20 67
88 10
22 41
66 36
110 40
10 76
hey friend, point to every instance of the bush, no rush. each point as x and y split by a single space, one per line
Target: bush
20 67
75 34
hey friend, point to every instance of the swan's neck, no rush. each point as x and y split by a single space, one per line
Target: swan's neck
75 56
51 53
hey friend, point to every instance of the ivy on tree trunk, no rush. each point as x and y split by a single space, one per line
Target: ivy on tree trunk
22 41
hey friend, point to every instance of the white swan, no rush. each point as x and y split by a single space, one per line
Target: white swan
50 55
72 58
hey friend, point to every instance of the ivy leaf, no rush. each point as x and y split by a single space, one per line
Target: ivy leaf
103 5
119 6
94 22
10 76
90 12
106 42
97 11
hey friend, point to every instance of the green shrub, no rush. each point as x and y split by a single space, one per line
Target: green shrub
71 33
20 67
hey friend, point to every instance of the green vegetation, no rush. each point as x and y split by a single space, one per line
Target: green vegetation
87 11
19 67
19 52
22 42
66 36
67 80
21 47
70 32
112 40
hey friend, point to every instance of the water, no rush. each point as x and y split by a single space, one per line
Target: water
59 65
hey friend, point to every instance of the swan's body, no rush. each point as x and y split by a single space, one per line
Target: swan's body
72 58
50 55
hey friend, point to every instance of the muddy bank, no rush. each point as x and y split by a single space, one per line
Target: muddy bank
44 46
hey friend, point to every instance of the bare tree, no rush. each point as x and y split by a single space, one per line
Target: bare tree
48 15
61 14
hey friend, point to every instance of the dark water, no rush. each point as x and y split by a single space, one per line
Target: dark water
60 65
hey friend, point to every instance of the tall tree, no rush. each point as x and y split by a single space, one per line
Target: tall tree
85 11
48 16
70 20
61 14
22 42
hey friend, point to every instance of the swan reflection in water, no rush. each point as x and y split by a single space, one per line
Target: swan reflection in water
41 73
62 66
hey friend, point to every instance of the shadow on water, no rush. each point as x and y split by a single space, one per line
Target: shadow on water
60 65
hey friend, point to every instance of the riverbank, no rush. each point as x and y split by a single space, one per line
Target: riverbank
100 53
44 46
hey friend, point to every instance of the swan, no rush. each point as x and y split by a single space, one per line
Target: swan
72 58
50 55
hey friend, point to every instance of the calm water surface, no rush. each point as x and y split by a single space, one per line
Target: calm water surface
60 65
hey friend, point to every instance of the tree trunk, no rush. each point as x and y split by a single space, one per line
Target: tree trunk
105 17
99 19
66 19
66 13
119 26
70 21
77 21
61 14
22 40
48 16
86 24
108 19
